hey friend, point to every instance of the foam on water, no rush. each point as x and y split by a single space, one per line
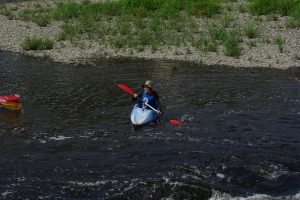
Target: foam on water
60 137
223 196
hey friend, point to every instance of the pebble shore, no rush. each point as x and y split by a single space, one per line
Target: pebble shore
13 32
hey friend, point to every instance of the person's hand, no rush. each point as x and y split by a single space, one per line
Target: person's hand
158 112
135 95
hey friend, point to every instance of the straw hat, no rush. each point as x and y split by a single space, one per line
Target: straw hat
148 84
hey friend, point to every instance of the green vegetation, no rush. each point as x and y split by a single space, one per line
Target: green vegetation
4 11
174 66
291 22
280 42
251 44
251 30
34 43
41 16
227 19
232 47
282 7
229 38
140 25
250 59
134 24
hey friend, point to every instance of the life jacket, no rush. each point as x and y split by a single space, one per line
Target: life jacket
149 99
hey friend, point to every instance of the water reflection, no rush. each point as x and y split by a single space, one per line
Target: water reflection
10 115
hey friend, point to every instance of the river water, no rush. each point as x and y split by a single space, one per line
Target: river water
73 138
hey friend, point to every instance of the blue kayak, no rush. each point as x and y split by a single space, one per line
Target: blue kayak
141 116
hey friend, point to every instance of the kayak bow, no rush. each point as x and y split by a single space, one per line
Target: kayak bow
10 98
141 116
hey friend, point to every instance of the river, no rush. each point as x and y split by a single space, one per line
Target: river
73 138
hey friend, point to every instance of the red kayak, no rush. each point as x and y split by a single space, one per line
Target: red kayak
10 98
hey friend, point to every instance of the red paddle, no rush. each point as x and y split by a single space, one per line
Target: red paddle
129 91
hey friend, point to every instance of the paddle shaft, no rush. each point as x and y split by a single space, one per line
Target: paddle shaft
151 107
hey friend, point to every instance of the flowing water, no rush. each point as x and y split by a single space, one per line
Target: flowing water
73 138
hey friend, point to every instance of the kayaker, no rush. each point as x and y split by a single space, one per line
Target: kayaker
148 96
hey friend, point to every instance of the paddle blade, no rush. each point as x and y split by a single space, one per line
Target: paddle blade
175 121
125 88
11 105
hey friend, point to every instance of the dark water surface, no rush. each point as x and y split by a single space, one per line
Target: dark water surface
73 138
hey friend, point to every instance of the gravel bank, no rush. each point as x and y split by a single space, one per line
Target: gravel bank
13 32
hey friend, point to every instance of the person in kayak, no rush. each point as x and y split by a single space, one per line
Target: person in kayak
148 96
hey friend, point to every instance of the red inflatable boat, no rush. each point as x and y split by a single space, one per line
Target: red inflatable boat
10 98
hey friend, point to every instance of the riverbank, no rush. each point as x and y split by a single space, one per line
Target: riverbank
261 51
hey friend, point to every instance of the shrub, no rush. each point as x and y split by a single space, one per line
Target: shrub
36 43
232 47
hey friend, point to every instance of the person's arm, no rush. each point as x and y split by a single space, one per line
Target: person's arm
136 96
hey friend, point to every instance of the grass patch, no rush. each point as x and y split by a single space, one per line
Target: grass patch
297 57
272 17
4 11
231 44
227 19
40 16
34 43
292 22
211 47
229 38
251 44
250 59
251 30
174 66
280 42
217 33
263 7
281 7
242 8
